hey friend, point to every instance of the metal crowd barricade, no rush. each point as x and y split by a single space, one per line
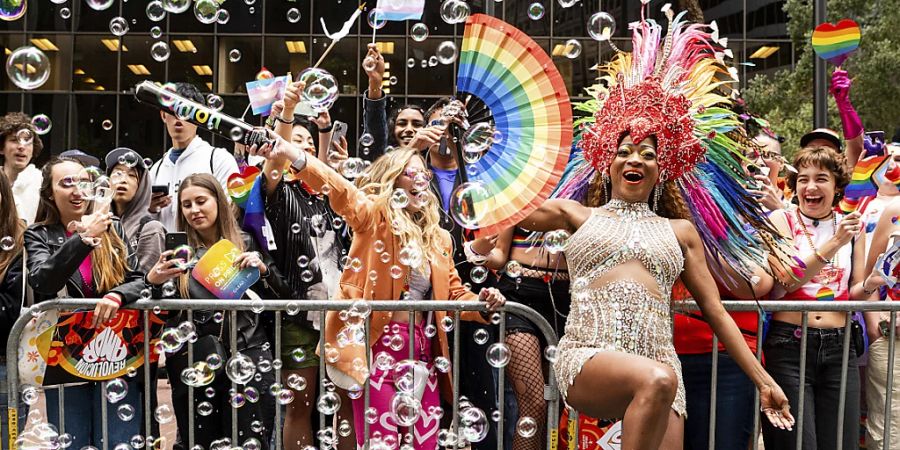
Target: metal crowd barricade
232 307
455 307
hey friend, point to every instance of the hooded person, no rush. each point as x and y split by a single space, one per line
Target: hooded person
145 236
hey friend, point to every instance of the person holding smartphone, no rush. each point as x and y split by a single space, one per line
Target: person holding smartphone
76 248
206 217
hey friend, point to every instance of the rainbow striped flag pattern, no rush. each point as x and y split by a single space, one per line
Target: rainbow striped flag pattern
263 93
862 181
835 43
398 10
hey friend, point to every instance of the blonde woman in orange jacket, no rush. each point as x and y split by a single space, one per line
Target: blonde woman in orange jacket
399 251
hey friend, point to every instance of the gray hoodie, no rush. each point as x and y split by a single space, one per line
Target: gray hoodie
148 241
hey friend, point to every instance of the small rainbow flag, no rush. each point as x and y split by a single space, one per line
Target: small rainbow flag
398 10
863 181
835 43
240 183
263 93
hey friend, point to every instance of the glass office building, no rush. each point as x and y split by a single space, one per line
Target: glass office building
89 93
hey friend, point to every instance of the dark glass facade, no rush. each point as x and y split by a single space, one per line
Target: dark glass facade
93 72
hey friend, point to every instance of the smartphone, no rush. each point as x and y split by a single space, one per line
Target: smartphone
340 130
160 189
443 148
175 240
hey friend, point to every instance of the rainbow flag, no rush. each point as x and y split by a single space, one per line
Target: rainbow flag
835 43
263 93
862 183
398 10
255 214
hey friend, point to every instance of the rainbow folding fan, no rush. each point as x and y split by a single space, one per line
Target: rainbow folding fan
506 78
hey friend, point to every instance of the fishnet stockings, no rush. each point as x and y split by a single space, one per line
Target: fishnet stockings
524 372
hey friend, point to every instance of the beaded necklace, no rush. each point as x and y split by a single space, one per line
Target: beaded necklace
809 239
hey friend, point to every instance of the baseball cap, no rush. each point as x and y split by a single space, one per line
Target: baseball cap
822 133
113 158
80 156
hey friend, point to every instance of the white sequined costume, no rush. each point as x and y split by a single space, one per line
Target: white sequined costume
618 312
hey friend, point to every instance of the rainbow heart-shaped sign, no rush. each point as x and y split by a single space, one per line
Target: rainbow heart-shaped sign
240 183
835 43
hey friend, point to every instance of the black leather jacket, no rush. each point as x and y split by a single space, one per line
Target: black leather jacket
53 261
10 299
251 327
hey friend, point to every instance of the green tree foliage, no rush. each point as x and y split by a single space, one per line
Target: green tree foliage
786 99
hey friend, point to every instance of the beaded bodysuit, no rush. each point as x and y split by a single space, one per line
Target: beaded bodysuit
614 261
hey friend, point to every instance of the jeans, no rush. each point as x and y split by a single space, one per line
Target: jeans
83 414
734 402
824 353
22 412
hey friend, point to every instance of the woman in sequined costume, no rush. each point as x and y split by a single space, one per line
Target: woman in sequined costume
616 358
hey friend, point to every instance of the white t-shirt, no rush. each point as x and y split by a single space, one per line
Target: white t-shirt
198 157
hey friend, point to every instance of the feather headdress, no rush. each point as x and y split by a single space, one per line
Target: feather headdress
676 87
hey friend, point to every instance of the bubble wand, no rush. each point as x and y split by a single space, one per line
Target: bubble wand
343 32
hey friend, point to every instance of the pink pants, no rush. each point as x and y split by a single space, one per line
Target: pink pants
382 390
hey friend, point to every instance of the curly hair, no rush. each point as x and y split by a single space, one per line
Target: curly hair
824 158
11 123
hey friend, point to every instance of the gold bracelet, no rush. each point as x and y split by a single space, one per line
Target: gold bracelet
822 258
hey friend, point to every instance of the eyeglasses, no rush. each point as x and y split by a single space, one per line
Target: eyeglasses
770 155
416 173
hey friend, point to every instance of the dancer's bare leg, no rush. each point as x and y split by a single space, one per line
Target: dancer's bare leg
674 438
614 384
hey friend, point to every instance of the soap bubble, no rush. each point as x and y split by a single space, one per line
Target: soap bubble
601 26
30 395
455 11
399 199
498 355
28 67
526 427
419 32
7 243
224 17
240 368
446 52
477 140
513 269
159 51
352 168
555 241
118 26
366 140
164 414
536 11
155 11
551 353
206 11
321 88
183 256
405 409
129 159
125 412
567 3
473 424
65 12
411 62
116 390
12 10
99 5
24 136
478 274
176 6
296 382
328 403
376 19
572 49
234 55
293 15
469 204
107 124
205 408
481 336
215 102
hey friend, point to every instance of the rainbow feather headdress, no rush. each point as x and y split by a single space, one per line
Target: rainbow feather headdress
677 87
